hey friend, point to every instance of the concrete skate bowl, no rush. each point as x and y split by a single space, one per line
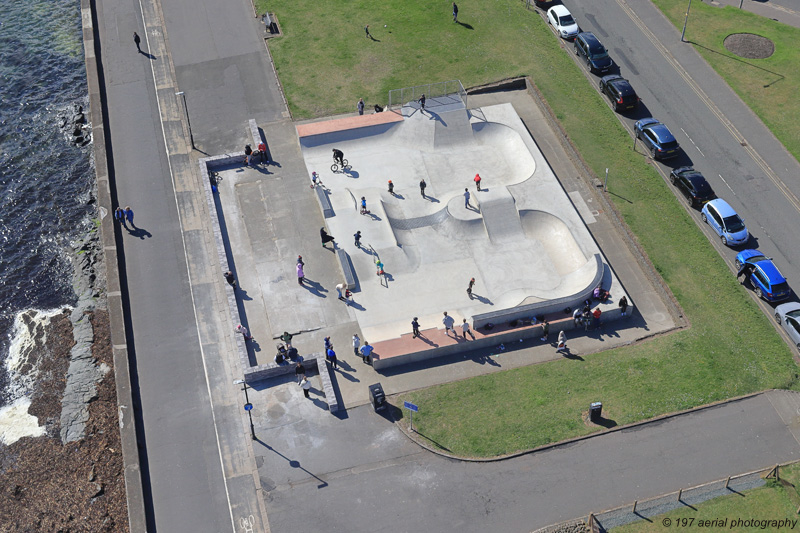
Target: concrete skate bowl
510 144
556 238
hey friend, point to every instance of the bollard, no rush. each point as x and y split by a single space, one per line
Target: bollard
634 505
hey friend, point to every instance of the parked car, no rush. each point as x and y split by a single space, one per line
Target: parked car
562 20
767 280
543 3
693 186
657 138
592 50
619 91
788 316
724 220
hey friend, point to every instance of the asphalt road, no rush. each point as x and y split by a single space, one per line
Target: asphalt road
361 474
709 121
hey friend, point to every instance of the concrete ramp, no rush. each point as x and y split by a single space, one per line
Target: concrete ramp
452 128
500 217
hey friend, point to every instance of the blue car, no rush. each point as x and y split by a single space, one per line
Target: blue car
724 220
657 138
766 279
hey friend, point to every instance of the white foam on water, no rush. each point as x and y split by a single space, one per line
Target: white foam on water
15 422
23 345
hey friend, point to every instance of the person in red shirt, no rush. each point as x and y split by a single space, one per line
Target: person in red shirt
478 182
262 150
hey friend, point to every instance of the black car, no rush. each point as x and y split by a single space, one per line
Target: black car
595 54
619 91
693 186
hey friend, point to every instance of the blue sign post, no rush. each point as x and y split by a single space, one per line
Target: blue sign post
414 409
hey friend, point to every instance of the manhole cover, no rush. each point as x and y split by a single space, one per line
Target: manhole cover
749 46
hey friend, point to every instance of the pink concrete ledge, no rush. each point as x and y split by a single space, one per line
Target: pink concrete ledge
348 123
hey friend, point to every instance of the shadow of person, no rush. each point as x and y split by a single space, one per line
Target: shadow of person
399 196
151 57
314 287
355 305
569 355
243 294
465 25
482 299
141 233
432 199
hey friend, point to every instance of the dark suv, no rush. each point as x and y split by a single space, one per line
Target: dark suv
619 91
596 55
693 186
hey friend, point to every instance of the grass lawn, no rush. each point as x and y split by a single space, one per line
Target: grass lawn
326 63
768 86
774 501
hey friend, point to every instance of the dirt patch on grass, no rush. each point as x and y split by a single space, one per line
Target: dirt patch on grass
749 46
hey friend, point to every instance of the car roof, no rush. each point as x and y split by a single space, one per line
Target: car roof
661 132
770 271
690 174
622 85
644 122
722 207
560 10
590 39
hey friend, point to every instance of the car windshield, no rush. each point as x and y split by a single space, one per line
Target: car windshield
733 224
794 314
757 259
669 145
780 288
566 20
599 53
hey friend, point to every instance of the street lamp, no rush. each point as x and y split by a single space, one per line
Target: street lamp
247 406
186 111
686 20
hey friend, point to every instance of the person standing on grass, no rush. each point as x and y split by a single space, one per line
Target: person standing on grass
455 12
366 31
360 106
465 330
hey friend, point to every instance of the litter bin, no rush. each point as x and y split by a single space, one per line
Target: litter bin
377 397
595 411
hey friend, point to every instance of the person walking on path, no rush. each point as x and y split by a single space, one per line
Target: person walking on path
415 328
262 152
422 102
422 186
391 188
229 277
138 41
545 330
243 330
469 287
332 357
477 180
129 216
366 31
360 106
287 339
562 342
455 12
119 216
466 198
623 305
323 235
449 324
300 372
465 330
340 290
306 386
366 352
356 343
301 276
357 239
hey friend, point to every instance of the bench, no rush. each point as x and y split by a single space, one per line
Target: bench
347 269
324 202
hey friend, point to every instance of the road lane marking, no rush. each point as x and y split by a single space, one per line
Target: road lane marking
726 183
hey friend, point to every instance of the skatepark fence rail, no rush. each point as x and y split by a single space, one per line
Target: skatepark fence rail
436 94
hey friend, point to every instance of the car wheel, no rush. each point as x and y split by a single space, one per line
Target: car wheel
690 201
798 345
672 179
724 240
759 293
738 264
705 219
602 89
778 318
576 49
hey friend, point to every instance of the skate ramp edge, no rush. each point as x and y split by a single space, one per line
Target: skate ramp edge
556 238
346 129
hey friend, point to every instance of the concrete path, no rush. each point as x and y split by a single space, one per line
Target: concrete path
362 474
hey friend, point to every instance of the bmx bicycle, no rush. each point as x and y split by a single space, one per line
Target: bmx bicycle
336 166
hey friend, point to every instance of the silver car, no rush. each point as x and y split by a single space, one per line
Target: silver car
788 316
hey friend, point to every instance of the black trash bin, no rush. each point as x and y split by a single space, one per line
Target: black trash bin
377 397
595 411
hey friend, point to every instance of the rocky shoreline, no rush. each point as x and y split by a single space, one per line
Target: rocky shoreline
71 478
